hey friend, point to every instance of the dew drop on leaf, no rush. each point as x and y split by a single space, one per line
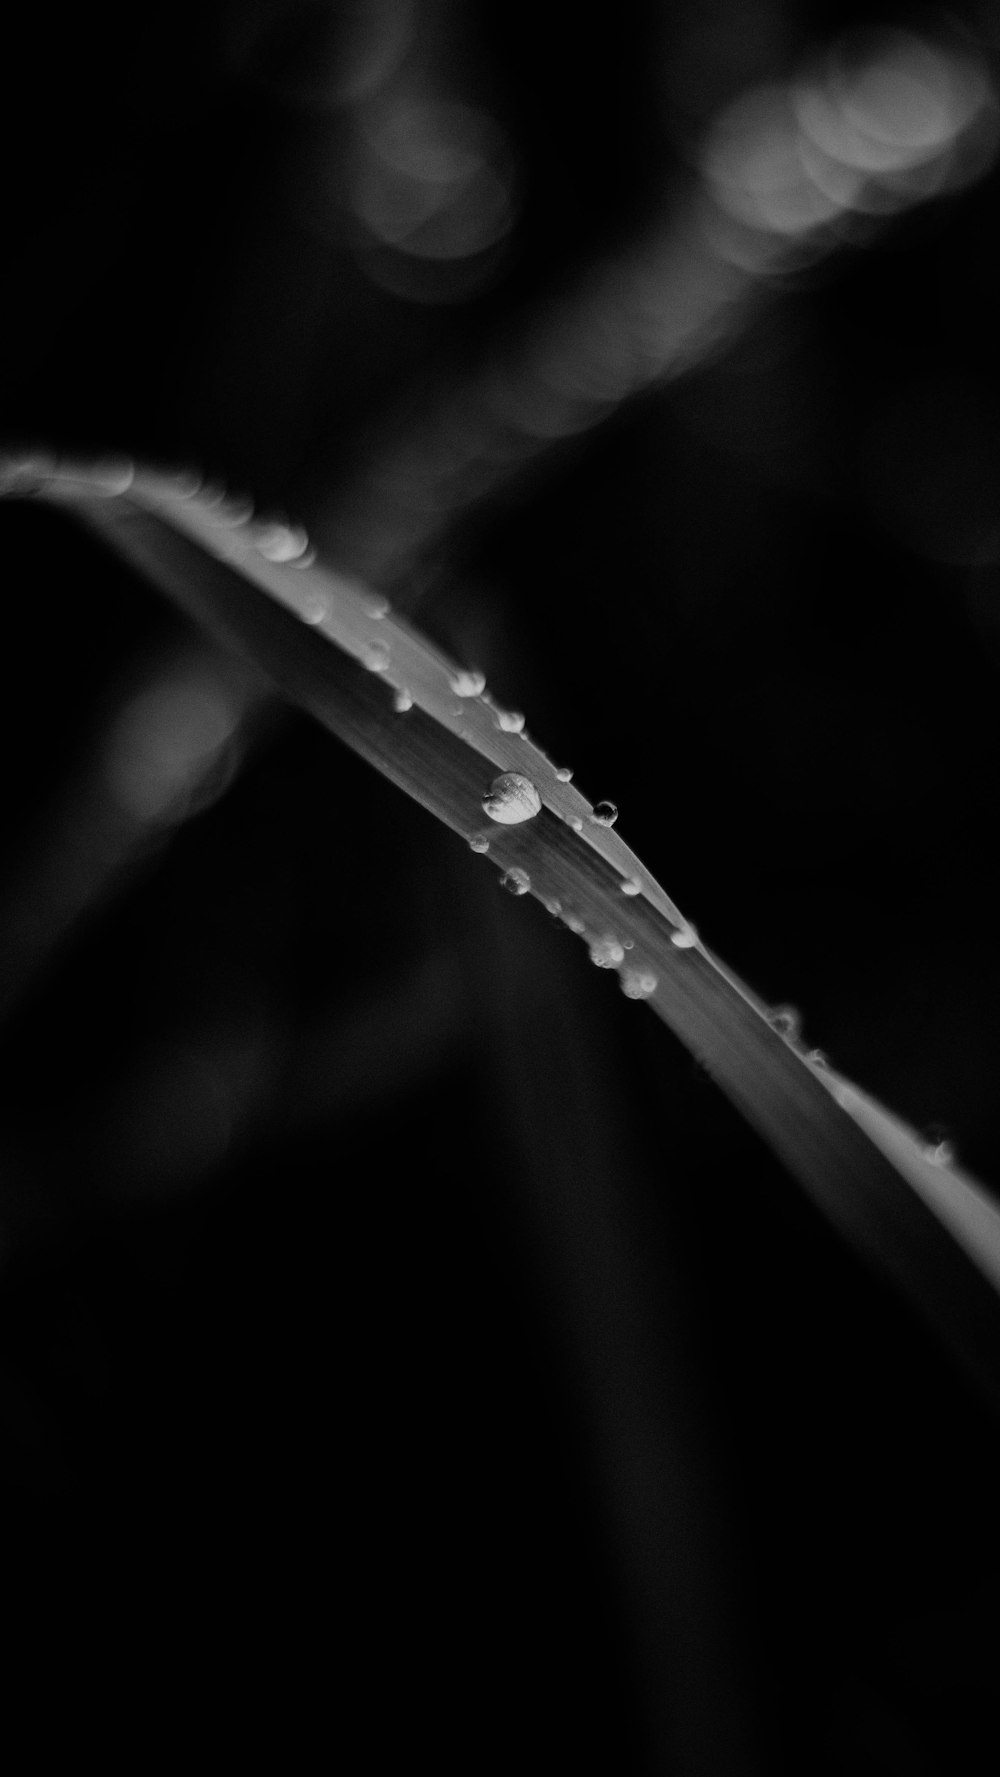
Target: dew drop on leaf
375 657
377 608
607 953
604 813
685 938
511 721
576 823
511 798
631 886
786 1020
564 774
313 607
638 984
479 842
402 702
516 882
468 684
281 542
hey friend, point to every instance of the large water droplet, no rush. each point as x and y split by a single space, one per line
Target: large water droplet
786 1020
631 886
638 984
402 702
281 542
479 842
516 882
467 683
607 953
511 798
604 813
511 721
375 656
685 938
564 774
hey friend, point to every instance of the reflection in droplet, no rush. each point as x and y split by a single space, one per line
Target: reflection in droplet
375 656
607 953
479 842
638 984
516 882
604 813
511 798
466 683
402 701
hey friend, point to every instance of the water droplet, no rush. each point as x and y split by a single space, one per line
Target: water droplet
402 702
575 923
604 813
114 475
306 559
511 721
638 984
375 656
314 607
234 509
564 774
281 542
685 938
479 842
631 886
516 882
940 1153
554 907
511 798
468 684
607 953
786 1020
818 1058
576 823
377 608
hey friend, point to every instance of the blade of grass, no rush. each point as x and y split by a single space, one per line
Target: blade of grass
332 646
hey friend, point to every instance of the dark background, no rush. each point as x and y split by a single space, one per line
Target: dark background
404 1352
